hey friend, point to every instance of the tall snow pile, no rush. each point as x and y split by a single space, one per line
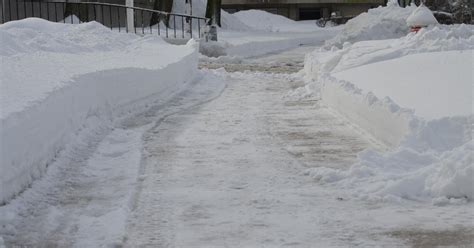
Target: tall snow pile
265 21
415 95
421 17
248 20
380 23
430 39
59 79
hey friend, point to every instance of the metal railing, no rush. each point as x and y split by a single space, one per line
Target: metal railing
114 16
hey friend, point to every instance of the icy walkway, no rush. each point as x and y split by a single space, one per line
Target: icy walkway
229 173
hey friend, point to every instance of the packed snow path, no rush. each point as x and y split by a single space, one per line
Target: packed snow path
229 173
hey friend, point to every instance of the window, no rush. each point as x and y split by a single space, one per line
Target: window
310 14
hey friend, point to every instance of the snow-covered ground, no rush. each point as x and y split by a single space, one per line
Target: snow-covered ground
255 32
58 77
439 83
113 139
241 44
384 22
265 21
415 95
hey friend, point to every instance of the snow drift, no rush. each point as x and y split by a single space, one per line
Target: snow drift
405 173
249 20
421 17
448 88
254 32
228 21
265 21
57 78
415 95
331 68
386 22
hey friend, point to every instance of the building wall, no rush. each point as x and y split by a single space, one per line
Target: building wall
303 9
353 9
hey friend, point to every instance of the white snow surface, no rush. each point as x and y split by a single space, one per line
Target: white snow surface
265 21
439 83
87 193
385 22
228 21
407 174
227 173
256 43
255 32
250 20
421 16
56 77
415 95
379 114
430 39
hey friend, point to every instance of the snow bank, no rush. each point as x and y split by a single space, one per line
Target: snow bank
255 32
265 21
431 39
254 44
228 21
415 95
380 23
421 17
248 20
56 77
392 103
35 35
435 90
382 118
408 174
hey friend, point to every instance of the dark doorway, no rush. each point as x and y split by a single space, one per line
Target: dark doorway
310 14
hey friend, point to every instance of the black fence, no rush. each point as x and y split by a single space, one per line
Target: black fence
114 16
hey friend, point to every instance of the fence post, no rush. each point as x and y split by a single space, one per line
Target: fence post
130 18
3 11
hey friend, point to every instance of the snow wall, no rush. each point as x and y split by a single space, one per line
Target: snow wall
427 159
382 118
83 73
376 24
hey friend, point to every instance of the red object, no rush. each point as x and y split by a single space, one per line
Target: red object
415 29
